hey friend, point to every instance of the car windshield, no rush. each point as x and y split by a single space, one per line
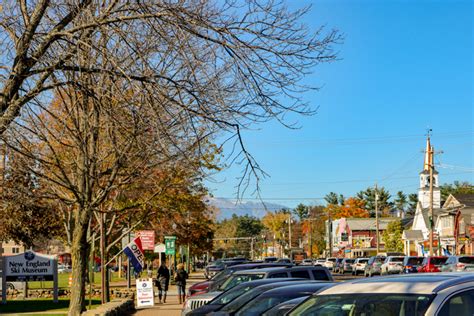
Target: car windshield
415 261
379 259
243 299
349 260
239 278
332 259
364 304
363 260
260 304
230 295
466 260
438 261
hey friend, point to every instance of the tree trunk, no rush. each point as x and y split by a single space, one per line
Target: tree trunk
79 254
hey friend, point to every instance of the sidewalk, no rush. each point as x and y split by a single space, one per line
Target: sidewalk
171 307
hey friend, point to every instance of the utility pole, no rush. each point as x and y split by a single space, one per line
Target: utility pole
430 164
329 233
377 219
289 232
310 238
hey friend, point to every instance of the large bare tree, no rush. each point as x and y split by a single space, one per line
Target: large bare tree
143 81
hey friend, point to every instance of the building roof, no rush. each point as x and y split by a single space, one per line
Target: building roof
466 199
412 235
368 223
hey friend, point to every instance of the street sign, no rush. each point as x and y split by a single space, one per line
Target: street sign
170 244
145 297
148 239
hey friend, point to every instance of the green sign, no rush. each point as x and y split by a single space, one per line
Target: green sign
170 245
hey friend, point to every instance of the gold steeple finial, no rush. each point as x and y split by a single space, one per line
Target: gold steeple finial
429 149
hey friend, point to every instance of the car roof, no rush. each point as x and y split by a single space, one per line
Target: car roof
260 271
267 281
261 264
425 283
309 286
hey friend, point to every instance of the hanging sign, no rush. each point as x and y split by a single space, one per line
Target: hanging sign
145 297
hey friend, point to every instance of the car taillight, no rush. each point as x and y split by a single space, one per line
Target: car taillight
408 267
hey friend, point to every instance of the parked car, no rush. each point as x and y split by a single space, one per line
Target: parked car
320 262
284 260
411 264
359 265
373 266
337 265
270 259
307 262
271 298
329 263
283 308
202 307
458 264
392 265
63 268
432 264
410 294
218 279
346 265
238 277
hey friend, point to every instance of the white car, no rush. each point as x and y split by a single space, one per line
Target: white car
62 268
329 263
320 262
307 262
359 265
424 294
392 265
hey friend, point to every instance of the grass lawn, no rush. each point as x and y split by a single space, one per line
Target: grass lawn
40 305
63 281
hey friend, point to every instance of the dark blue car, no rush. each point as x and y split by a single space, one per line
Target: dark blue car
411 264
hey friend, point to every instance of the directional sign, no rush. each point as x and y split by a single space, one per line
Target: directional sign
170 244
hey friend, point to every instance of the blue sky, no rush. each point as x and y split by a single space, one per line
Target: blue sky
405 66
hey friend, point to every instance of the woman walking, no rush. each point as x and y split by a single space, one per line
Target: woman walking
163 279
180 279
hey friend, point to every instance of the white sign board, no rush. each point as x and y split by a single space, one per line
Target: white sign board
145 297
160 248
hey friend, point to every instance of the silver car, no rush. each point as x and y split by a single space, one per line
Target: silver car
424 294
458 264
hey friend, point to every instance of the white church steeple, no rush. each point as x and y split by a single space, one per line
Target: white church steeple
424 190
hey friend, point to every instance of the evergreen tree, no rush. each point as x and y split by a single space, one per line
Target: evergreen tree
384 205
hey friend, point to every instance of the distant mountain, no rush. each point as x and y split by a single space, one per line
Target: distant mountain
227 207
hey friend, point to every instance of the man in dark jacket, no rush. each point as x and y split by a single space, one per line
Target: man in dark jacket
163 281
180 279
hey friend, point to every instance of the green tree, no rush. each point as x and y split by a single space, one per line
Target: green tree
332 198
302 211
384 204
392 237
412 202
401 201
456 187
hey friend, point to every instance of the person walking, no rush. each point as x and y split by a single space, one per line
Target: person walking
180 279
163 281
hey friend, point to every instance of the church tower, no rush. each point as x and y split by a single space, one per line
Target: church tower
424 190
